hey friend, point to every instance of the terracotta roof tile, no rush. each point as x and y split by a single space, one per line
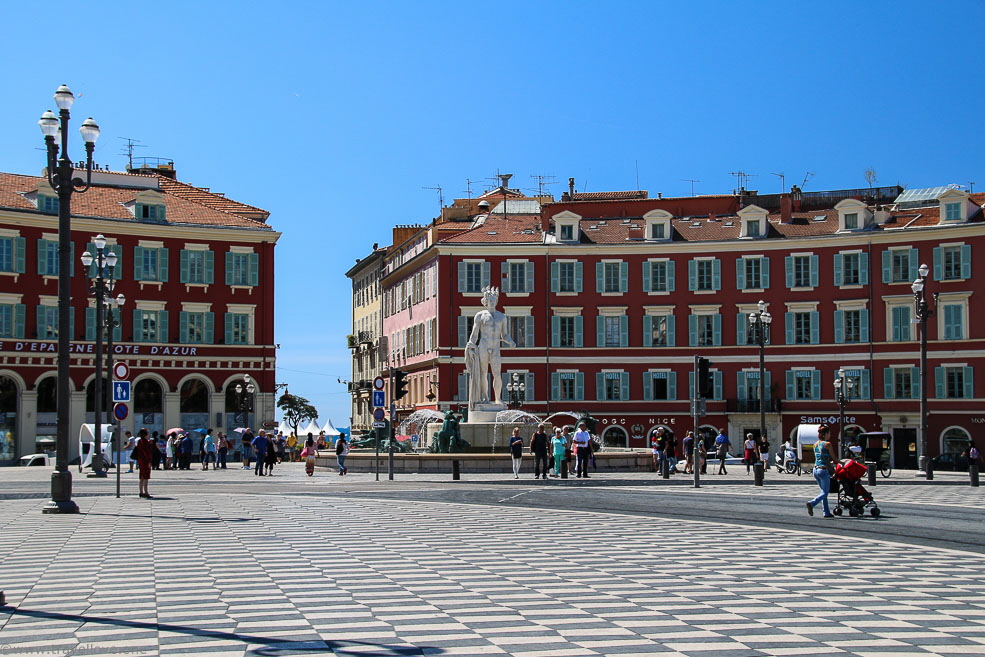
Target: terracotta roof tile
513 229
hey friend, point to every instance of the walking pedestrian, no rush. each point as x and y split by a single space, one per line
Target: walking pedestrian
186 452
824 460
689 452
169 451
143 452
270 460
582 442
341 451
247 444
670 452
722 446
559 445
222 452
210 451
539 446
259 445
749 454
308 454
292 446
516 450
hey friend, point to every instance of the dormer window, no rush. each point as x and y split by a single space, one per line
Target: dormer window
657 225
48 204
753 220
956 205
952 212
149 212
851 221
567 232
853 215
566 227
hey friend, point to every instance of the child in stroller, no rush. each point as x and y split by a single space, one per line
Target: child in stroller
851 494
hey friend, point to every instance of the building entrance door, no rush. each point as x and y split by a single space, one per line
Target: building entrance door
905 449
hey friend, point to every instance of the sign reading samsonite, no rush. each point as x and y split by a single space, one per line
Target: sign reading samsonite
89 348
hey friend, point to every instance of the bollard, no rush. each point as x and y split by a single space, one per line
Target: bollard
456 472
930 469
564 468
757 473
870 470
665 468
973 474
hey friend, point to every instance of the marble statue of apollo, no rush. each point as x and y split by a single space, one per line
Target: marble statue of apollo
482 351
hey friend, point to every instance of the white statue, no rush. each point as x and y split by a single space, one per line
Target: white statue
489 331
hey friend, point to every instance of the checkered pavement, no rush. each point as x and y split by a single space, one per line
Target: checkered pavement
223 574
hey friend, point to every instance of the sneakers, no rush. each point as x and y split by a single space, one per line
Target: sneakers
810 509
829 515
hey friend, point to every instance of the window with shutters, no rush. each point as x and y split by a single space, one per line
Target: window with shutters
568 385
566 331
7 254
473 277
903 381
953 382
704 272
48 204
612 386
706 330
660 330
952 212
12 320
149 211
805 383
240 263
851 269
145 326
660 385
47 322
610 277
705 326
521 330
802 271
198 267
567 232
661 276
900 260
611 331
802 328
150 263
953 314
196 326
567 276
952 262
852 325
851 220
752 273
48 257
238 328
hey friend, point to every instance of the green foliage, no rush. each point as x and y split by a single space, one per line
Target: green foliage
297 410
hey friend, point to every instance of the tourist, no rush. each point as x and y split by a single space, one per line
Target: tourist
209 451
292 446
222 452
824 460
582 442
539 446
670 452
247 444
259 446
750 454
341 451
270 460
169 451
722 446
128 445
559 446
689 452
186 451
656 444
143 452
516 449
158 455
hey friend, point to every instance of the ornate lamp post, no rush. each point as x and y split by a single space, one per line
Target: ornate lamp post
60 177
759 324
111 323
923 313
843 394
105 263
244 397
515 387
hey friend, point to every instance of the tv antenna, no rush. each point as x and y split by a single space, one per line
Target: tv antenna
971 187
128 151
441 198
543 181
807 176
692 181
742 178
783 181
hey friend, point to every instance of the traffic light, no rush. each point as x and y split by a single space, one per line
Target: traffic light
399 384
706 381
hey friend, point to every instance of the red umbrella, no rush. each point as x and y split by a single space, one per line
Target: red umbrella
175 430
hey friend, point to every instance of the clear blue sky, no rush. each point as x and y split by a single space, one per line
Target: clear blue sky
335 116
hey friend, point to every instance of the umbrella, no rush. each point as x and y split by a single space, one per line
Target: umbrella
241 429
199 430
175 430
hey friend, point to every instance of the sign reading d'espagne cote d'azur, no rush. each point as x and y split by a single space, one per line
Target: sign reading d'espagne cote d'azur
89 348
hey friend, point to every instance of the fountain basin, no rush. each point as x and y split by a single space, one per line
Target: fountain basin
365 461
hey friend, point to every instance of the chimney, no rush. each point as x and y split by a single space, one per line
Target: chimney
786 208
795 193
711 217
571 188
882 215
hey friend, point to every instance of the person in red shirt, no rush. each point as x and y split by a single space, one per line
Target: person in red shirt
143 453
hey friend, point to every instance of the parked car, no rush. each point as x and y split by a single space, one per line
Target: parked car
36 459
957 462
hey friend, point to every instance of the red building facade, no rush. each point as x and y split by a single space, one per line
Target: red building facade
197 271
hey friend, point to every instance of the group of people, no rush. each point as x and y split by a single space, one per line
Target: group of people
176 450
553 454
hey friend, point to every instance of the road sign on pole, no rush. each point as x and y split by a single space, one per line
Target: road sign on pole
121 411
121 392
379 414
379 398
379 425
378 383
121 370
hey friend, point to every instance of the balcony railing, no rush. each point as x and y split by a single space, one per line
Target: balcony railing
752 405
365 337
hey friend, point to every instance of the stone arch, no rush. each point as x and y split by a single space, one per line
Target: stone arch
615 436
952 435
194 394
195 375
53 374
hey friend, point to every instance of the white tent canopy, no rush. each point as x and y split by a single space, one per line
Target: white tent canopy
330 429
284 428
312 428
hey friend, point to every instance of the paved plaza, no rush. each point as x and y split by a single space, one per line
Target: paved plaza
317 569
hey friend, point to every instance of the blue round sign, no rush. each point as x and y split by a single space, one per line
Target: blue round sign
120 411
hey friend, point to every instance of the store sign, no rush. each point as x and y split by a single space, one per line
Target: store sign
90 348
825 419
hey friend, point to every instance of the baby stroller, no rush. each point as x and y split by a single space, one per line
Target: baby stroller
851 494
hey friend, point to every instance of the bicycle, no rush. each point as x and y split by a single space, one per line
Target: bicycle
885 467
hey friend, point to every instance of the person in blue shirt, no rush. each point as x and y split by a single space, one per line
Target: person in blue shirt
260 447
722 446
208 448
186 452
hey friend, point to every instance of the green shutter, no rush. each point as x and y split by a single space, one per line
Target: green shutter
209 267
864 325
19 254
965 261
624 331
647 386
599 278
815 384
865 385
162 264
940 383
20 311
528 330
815 327
255 269
740 273
692 275
555 331
90 324
579 331
789 326
764 274
788 268
888 389
599 386
839 326
183 274
863 269
624 386
42 257
138 325
580 386
672 385
887 266
814 270
463 325
741 322
938 263
183 326
209 325
791 385
969 382
914 382
716 330
669 269
624 277
716 274
555 276
600 331
839 263
740 382
671 322
40 330
528 271
646 276
227 323
461 275
555 386
717 376
578 276
162 326
91 248
486 274
692 330
914 264
230 259
138 261
647 330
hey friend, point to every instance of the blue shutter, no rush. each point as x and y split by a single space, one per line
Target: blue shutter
938 263
624 331
965 261
528 330
692 275
717 376
764 272
741 322
914 264
40 324
863 269
814 270
671 330
839 258
815 384
788 267
528 270
624 386
865 392
504 277
888 389
624 277
914 382
969 382
19 254
647 386
162 326
669 268
138 263
716 330
162 264
555 276
137 315
463 383
461 274
462 328
887 266
578 276
599 278
579 331
672 385
690 384
791 385
789 326
939 383
486 274
183 266
599 386
716 274
209 267
580 386
740 381
646 276
864 324
91 271
599 331
952 322
555 331
20 310
839 326
254 269
183 326
209 326
42 257
740 273
815 327
90 324
692 329
555 386
647 330
230 257
227 323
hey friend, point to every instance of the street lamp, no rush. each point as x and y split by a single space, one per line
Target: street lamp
60 176
244 397
923 313
516 388
843 394
105 263
759 324
111 324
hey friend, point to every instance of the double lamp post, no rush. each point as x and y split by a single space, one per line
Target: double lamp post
923 312
759 324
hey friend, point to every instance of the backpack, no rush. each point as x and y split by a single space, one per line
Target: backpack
973 453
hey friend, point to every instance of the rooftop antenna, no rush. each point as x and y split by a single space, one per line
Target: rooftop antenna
742 178
637 175
807 176
783 181
692 183
468 188
441 198
543 181
131 144
971 187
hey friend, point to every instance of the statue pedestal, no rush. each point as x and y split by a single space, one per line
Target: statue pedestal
483 413
478 434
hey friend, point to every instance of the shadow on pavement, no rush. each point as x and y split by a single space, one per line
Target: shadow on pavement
272 646
157 516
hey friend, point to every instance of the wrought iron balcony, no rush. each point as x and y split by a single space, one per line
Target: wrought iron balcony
752 405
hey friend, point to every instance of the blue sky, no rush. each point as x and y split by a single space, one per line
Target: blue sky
335 116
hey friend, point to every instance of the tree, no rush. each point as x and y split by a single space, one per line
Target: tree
296 410
870 176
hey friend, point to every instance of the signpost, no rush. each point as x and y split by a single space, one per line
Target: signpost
121 391
121 411
379 414
379 399
121 371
